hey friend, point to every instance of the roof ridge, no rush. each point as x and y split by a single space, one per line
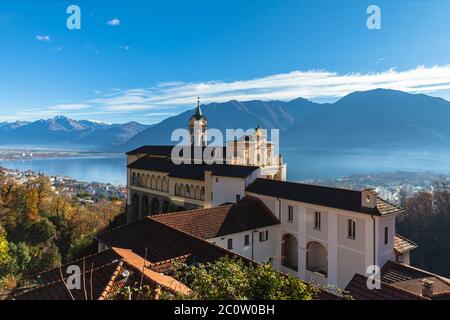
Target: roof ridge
113 277
445 280
265 207
390 286
390 203
73 261
309 184
65 278
119 227
205 242
187 211
133 260
406 239
157 263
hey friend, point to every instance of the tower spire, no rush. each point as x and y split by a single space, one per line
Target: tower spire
197 126
198 111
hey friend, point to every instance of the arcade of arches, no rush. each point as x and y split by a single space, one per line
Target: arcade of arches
144 206
316 255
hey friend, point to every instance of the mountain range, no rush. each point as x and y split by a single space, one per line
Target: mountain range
67 134
372 119
376 119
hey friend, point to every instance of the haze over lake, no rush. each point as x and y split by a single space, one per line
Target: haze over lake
99 169
302 165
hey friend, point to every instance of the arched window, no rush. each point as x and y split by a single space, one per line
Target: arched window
186 191
133 179
153 183
164 183
317 258
202 193
158 183
197 192
289 252
154 206
181 193
144 206
135 206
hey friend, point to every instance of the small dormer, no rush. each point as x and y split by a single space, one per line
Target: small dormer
369 198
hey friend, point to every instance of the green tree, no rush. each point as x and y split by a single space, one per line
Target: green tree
49 258
234 279
80 244
22 257
40 231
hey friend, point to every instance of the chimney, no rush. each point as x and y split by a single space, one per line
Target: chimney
369 198
427 288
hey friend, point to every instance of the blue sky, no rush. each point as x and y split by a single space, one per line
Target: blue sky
159 56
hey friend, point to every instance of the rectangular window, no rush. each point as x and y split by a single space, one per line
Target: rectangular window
290 217
217 179
230 244
211 195
386 235
263 235
351 229
246 240
238 198
317 220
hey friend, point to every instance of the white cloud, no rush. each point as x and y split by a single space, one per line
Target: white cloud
165 98
44 38
313 84
113 22
69 106
125 48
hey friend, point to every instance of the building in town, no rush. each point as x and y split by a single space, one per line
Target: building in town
156 183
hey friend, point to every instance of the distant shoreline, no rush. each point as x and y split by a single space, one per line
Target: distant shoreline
34 154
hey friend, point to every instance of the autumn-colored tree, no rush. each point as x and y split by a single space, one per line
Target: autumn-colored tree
426 221
32 204
5 258
39 228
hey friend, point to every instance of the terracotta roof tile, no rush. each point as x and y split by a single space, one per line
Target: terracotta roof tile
143 266
411 279
402 245
249 214
107 279
358 289
163 242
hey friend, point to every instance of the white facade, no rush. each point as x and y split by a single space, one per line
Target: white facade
257 248
324 252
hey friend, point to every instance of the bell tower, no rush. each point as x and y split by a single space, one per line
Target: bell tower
198 127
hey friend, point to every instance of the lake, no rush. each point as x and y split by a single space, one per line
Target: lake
302 165
99 169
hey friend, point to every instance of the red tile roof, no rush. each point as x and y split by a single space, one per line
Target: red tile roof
402 245
410 278
118 268
249 214
163 242
358 289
